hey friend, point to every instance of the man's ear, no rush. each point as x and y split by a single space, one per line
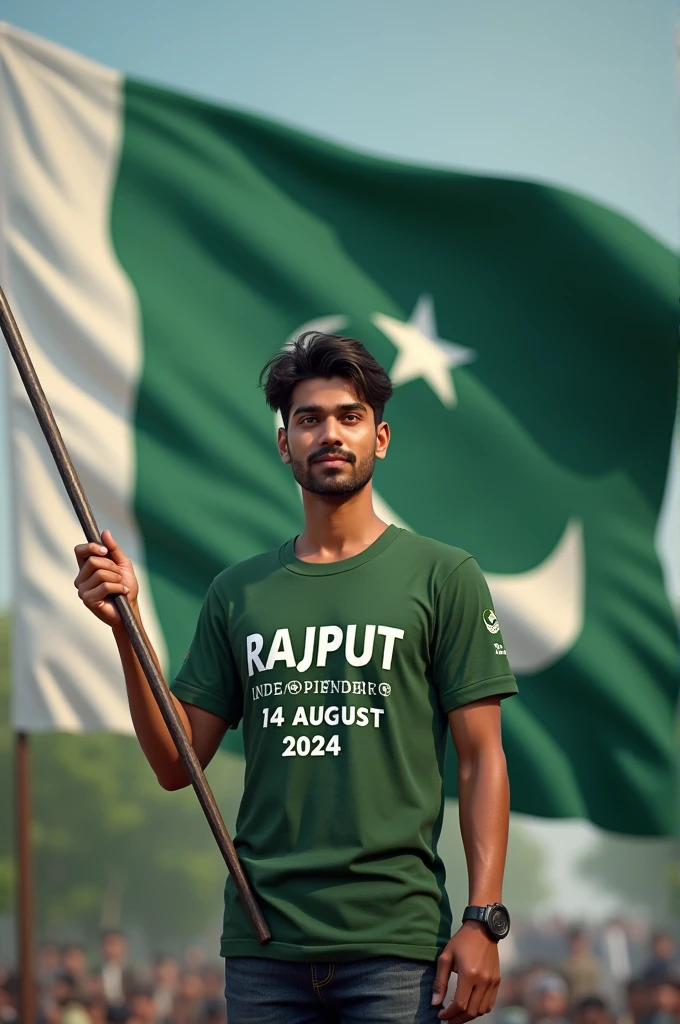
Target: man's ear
282 442
382 440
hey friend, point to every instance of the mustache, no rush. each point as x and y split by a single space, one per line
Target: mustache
338 453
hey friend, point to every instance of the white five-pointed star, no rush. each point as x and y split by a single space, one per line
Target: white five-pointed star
421 353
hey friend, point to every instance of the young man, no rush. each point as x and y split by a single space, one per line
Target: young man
348 653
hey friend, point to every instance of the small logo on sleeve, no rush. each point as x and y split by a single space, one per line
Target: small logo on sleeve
490 620
500 649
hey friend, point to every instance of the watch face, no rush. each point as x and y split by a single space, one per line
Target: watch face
498 921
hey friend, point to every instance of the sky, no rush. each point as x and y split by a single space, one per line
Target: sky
582 94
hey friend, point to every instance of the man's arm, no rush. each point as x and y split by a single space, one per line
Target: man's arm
484 807
205 730
107 571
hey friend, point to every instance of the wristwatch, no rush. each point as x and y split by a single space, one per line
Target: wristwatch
494 916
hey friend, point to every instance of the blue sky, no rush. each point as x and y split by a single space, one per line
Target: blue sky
583 93
580 93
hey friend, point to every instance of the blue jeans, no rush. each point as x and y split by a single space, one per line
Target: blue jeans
381 990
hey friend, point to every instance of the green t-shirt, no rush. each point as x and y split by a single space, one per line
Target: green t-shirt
343 674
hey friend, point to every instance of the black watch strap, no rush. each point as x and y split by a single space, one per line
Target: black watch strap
474 914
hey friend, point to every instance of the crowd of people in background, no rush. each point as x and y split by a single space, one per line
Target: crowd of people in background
552 974
111 989
619 973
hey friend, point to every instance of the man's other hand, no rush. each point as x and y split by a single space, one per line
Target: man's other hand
473 955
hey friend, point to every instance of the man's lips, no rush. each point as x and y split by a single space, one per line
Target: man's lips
331 459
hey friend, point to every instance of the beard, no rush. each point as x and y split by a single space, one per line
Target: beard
334 482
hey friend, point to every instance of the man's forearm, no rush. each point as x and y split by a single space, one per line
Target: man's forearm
484 808
152 732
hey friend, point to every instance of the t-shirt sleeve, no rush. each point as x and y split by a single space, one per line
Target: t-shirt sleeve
209 677
469 658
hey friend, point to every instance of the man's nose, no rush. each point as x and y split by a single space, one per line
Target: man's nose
331 433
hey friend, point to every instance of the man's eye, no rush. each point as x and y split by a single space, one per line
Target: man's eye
351 416
308 419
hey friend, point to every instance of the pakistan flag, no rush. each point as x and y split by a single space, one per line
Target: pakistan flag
158 249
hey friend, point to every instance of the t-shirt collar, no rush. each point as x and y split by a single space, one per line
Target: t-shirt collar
290 561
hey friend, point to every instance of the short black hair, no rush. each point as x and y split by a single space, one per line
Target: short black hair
314 354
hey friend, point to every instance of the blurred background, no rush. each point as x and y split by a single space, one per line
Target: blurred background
582 95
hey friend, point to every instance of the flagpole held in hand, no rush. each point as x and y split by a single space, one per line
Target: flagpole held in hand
160 692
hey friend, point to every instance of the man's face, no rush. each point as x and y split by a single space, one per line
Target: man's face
143 1008
578 945
191 985
48 958
549 1002
332 442
166 972
663 946
74 960
114 947
665 998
